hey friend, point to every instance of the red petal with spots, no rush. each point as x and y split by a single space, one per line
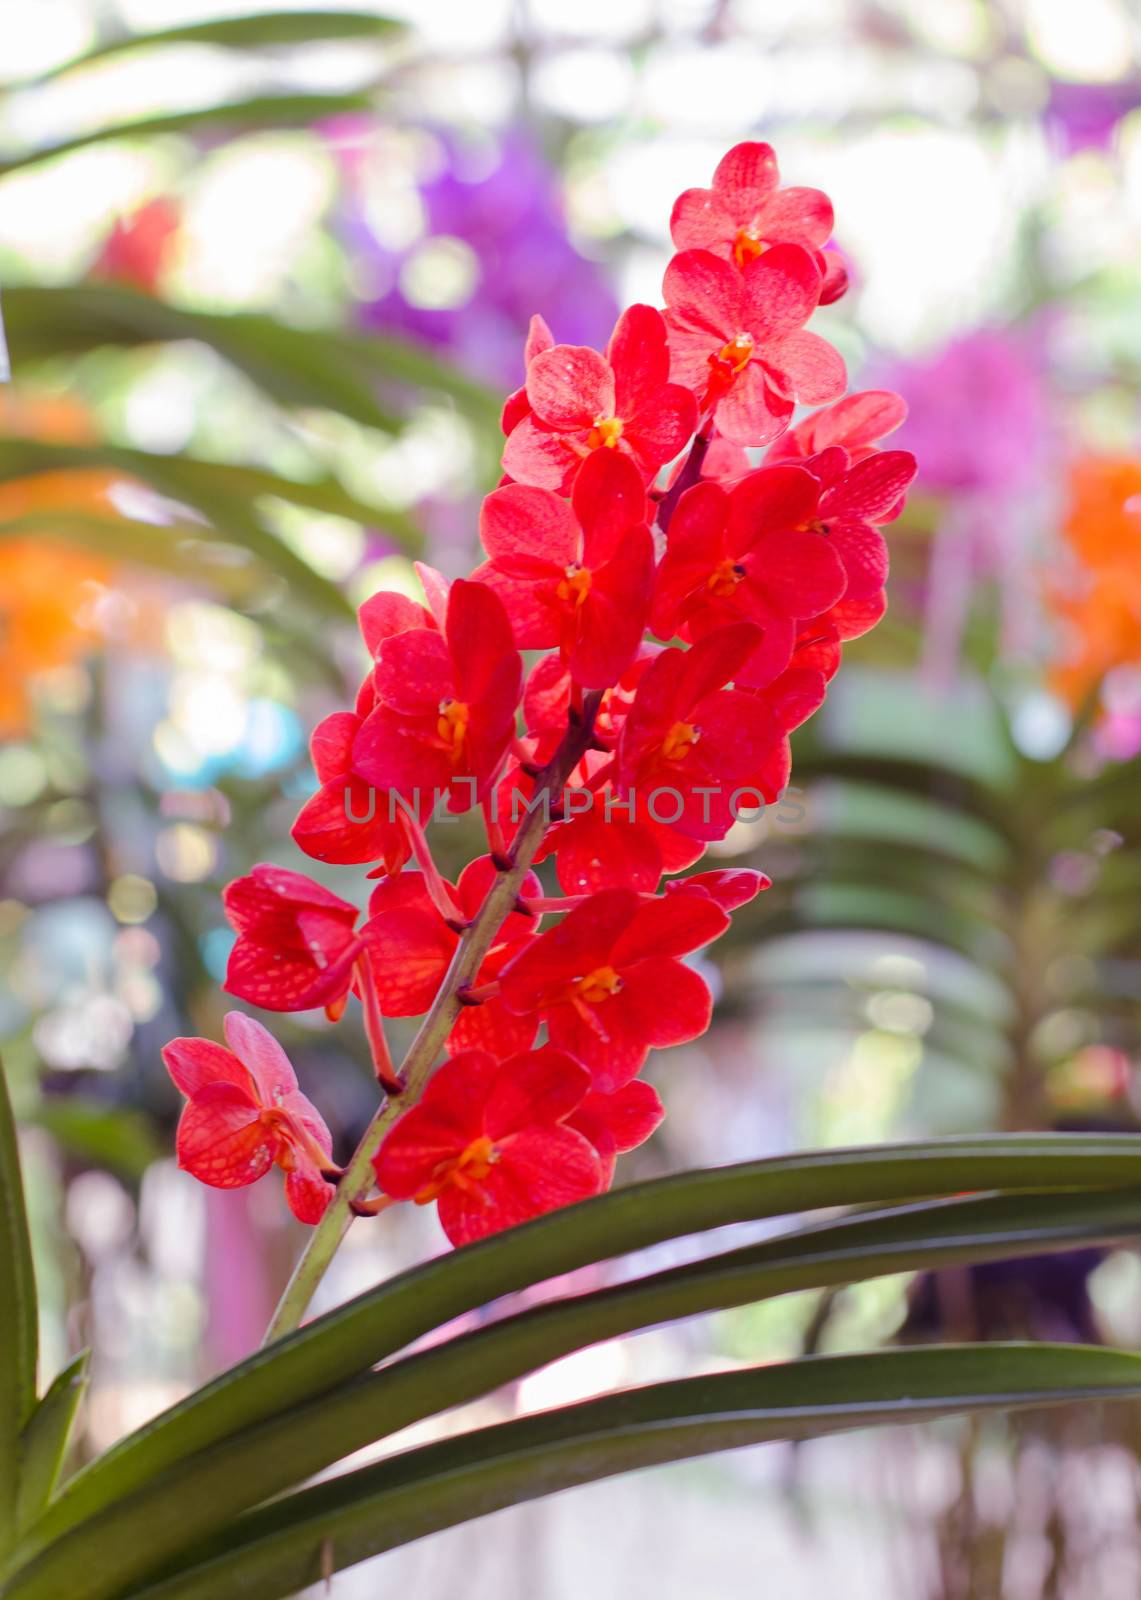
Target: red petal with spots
661 428
672 926
409 951
539 1170
488 671
492 1027
730 887
221 1139
542 1087
856 423
307 1194
862 550
853 618
600 851
257 1049
530 605
579 944
618 1122
639 354
795 696
413 674
388 613
611 622
753 412
529 532
703 220
769 500
806 368
296 940
331 746
781 290
569 386
609 499
194 1063
535 454
749 168
348 822
708 295
798 574
873 488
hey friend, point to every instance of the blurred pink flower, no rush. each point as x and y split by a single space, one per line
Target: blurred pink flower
1085 116
981 422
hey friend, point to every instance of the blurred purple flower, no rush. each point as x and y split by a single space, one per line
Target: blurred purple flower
1084 116
509 214
982 427
979 420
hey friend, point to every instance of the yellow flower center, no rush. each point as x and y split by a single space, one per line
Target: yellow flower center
737 354
605 434
465 1171
599 985
575 586
452 726
679 741
724 578
747 247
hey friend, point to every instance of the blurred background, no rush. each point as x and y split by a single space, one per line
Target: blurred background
265 282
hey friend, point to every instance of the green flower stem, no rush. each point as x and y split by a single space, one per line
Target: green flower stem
425 1049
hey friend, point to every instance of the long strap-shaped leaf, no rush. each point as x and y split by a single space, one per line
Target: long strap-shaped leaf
323 367
258 111
207 1490
18 1323
279 1550
242 33
213 486
356 1336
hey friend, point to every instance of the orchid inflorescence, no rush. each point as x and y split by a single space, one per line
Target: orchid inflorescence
687 628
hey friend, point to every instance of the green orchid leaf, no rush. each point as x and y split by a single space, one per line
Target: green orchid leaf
19 1333
297 1540
347 1342
47 1436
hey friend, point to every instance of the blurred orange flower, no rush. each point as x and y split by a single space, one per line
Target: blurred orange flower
47 589
47 617
1100 604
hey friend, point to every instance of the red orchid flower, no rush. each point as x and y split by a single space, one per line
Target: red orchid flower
619 1122
694 754
349 820
856 423
730 887
574 575
411 946
140 247
738 340
854 502
579 402
754 551
608 982
746 212
517 406
489 1142
445 703
246 1114
604 846
549 692
296 944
